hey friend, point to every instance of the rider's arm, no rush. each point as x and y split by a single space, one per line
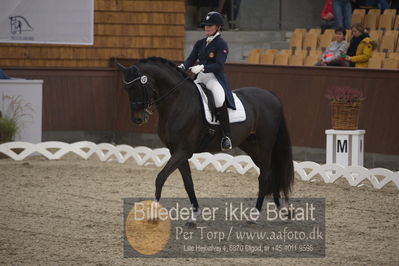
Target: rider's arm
193 56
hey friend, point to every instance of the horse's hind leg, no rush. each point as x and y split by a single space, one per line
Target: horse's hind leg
260 154
262 180
277 199
185 172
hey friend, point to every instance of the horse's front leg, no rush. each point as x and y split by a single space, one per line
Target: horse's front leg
185 172
174 162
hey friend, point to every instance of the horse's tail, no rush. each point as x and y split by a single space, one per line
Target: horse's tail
282 168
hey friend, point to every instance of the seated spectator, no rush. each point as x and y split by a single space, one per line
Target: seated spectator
335 53
327 17
360 47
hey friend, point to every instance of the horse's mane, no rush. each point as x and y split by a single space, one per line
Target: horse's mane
164 61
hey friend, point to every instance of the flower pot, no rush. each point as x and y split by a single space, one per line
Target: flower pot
345 116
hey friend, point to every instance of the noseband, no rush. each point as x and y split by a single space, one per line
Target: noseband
144 82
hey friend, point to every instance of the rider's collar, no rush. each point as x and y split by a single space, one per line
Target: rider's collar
210 38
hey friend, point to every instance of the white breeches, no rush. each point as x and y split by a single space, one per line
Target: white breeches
214 86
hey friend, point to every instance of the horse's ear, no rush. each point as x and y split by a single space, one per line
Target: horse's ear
121 67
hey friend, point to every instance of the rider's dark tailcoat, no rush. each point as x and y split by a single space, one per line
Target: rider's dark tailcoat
213 58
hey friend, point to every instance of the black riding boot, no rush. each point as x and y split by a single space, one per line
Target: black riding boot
225 127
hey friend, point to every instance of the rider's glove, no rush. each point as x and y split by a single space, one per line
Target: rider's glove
197 69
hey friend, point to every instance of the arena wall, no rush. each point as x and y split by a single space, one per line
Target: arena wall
93 100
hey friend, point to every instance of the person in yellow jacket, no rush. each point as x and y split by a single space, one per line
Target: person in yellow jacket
360 47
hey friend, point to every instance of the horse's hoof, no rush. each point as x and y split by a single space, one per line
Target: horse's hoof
152 217
191 224
153 220
288 215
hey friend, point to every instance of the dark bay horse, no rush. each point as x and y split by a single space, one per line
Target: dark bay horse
182 126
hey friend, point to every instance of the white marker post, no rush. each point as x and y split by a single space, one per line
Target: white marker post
345 147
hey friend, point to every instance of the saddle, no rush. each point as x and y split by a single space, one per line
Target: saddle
208 102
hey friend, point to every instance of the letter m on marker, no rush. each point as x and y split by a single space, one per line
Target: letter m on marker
342 146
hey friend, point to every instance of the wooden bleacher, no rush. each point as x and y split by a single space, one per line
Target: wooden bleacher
306 46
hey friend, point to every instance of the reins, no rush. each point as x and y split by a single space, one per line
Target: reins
169 92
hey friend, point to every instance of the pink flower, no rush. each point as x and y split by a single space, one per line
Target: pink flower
344 94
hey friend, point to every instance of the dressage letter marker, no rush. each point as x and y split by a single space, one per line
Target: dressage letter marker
342 147
345 147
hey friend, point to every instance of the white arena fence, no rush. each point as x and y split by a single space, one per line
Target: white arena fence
307 171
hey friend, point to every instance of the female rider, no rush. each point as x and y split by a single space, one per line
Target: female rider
212 53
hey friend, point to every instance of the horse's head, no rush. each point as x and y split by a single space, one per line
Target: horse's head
140 93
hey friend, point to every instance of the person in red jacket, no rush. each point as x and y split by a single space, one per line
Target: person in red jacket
327 17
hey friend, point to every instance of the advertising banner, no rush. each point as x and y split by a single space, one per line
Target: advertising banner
47 21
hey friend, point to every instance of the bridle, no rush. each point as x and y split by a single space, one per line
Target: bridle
148 103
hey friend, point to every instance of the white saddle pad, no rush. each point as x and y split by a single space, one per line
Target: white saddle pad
235 116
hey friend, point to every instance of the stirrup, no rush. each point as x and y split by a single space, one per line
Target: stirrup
226 143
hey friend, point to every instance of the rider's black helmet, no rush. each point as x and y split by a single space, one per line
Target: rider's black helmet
212 18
